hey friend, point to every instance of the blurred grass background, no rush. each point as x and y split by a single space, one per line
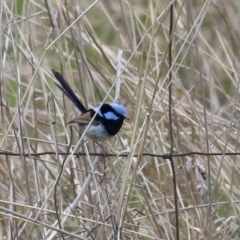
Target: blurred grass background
51 196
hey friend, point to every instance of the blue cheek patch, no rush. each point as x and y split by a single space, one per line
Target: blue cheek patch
110 116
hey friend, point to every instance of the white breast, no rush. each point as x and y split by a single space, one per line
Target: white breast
97 133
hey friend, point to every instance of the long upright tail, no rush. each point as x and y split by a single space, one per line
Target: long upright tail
66 89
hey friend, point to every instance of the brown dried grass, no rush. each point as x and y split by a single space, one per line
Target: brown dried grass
96 196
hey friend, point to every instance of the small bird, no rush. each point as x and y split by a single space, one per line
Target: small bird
108 119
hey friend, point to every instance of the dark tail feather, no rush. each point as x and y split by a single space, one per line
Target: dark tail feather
66 89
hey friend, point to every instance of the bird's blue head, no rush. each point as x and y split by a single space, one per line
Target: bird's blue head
119 109
112 111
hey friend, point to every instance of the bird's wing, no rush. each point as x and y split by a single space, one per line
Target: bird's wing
66 89
84 119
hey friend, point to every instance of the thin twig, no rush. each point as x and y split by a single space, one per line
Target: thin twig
170 120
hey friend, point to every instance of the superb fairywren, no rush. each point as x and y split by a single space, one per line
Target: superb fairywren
108 119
